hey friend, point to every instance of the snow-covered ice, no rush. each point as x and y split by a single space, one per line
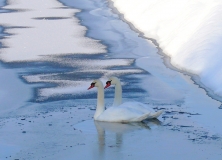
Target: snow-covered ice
35 32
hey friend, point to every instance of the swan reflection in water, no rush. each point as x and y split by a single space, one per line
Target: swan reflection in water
119 129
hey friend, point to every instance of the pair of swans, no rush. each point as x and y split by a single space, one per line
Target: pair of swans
120 112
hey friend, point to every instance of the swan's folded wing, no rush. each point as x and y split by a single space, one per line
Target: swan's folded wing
155 114
119 114
139 106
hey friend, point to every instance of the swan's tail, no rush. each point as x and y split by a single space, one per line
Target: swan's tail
141 118
155 114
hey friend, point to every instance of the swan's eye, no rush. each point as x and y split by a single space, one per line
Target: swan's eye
108 82
93 84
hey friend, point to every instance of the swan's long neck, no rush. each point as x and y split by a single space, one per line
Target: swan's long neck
100 101
118 94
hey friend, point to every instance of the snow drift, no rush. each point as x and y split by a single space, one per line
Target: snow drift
188 31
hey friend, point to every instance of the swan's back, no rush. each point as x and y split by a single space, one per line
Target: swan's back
138 106
145 108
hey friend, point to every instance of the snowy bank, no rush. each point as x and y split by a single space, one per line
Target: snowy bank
190 32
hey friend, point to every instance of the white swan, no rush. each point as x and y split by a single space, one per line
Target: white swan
121 113
134 105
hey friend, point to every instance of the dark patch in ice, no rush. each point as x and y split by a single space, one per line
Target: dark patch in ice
185 126
39 67
170 112
112 146
50 18
188 113
175 129
165 117
168 124
81 144
12 27
157 108
179 112
193 113
200 138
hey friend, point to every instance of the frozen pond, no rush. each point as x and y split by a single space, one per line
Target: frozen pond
49 61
